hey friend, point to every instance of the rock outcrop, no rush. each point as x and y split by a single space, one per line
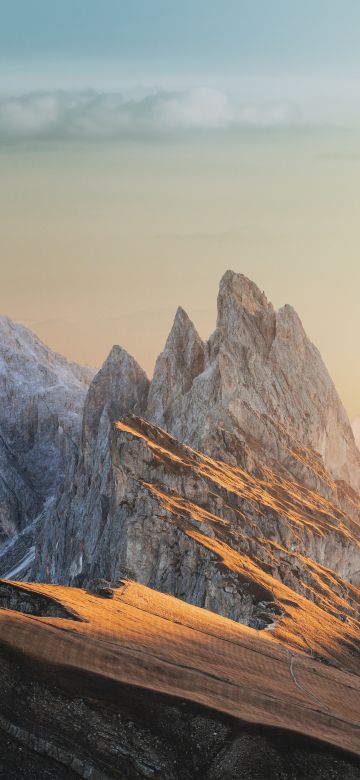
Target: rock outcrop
259 383
41 403
75 524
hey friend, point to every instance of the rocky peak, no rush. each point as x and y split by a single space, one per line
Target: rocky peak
244 291
182 359
83 503
246 321
120 386
185 343
258 379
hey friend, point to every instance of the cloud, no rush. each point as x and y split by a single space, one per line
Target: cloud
93 115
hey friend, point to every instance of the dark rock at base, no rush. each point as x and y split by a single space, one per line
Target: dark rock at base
102 588
78 726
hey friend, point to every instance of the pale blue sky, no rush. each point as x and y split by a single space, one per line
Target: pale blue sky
149 40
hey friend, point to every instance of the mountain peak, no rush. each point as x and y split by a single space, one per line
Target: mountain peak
182 330
245 292
181 315
259 377
120 386
182 359
118 355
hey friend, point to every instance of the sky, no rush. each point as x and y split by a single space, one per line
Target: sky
147 147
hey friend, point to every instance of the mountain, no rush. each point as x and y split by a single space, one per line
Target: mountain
230 482
41 403
257 386
218 500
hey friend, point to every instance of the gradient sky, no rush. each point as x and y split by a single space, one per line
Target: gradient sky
146 147
214 39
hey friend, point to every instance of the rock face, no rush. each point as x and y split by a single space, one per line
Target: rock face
211 534
259 474
76 524
258 381
182 360
17 554
41 403
150 736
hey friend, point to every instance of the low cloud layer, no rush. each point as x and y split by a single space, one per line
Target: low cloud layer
93 115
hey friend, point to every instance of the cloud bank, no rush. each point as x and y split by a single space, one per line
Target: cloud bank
92 115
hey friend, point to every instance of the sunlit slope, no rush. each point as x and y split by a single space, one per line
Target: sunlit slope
254 546
270 536
157 642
